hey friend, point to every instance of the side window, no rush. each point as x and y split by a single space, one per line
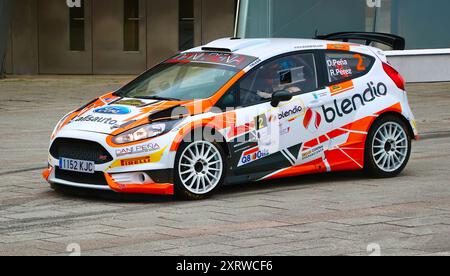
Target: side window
345 66
296 74
228 100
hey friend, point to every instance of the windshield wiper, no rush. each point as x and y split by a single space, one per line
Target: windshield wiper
157 98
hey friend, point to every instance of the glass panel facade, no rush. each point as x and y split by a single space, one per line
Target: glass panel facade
422 23
76 32
131 26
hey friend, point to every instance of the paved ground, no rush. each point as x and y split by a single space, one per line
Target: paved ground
336 214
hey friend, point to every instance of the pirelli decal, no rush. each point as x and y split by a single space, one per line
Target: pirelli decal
152 158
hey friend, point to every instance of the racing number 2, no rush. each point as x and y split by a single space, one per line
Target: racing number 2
360 67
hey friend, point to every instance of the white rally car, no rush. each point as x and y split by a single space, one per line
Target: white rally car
239 110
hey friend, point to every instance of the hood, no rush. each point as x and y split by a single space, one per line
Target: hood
106 118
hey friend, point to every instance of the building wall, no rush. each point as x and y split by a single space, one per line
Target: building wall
217 19
162 30
54 54
40 35
8 58
23 52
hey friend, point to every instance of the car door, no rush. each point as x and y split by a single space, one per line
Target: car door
301 123
271 137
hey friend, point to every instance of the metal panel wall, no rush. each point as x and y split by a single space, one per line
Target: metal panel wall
162 30
55 56
108 43
24 38
8 58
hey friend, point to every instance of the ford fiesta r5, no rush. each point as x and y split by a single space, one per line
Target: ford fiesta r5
239 110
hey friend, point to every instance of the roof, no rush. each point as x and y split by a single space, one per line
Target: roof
265 48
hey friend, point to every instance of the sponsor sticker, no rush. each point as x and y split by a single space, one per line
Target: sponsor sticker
253 155
95 119
285 131
291 114
135 161
350 105
312 152
136 103
152 158
113 110
138 149
228 59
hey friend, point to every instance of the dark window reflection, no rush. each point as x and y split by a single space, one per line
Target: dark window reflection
76 32
131 25
186 24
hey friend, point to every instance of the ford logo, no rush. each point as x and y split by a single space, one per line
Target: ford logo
114 110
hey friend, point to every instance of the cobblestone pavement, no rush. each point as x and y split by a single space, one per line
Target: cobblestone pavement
333 214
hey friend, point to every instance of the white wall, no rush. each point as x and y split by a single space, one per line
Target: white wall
422 65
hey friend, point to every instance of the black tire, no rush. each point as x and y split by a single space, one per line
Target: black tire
375 150
181 191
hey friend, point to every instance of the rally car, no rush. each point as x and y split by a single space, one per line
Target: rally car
240 110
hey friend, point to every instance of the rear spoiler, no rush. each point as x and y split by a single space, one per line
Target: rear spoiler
394 41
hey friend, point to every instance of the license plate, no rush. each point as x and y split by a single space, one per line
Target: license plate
76 165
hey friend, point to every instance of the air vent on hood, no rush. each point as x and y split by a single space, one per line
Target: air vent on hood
175 112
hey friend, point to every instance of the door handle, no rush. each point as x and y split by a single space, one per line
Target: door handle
315 104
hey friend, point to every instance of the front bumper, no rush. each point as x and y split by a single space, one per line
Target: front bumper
112 185
157 164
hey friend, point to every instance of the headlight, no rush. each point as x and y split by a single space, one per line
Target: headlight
143 132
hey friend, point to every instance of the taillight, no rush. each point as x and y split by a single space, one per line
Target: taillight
395 76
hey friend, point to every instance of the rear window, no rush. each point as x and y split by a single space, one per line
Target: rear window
346 66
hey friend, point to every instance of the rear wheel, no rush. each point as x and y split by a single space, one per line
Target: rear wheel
200 169
388 147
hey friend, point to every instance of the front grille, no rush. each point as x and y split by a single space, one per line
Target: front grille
80 150
97 178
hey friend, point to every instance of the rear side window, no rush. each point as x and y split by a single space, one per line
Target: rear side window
343 66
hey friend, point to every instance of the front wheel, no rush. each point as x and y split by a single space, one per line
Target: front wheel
199 169
388 147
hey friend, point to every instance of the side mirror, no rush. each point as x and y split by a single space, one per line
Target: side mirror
280 96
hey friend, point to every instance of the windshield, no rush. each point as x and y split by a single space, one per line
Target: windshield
186 77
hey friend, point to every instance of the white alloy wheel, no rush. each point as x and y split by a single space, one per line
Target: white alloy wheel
390 147
200 167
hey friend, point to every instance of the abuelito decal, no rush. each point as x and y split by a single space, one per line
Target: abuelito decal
152 158
136 103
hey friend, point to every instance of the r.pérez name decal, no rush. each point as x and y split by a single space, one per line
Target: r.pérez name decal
339 67
352 104
93 119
